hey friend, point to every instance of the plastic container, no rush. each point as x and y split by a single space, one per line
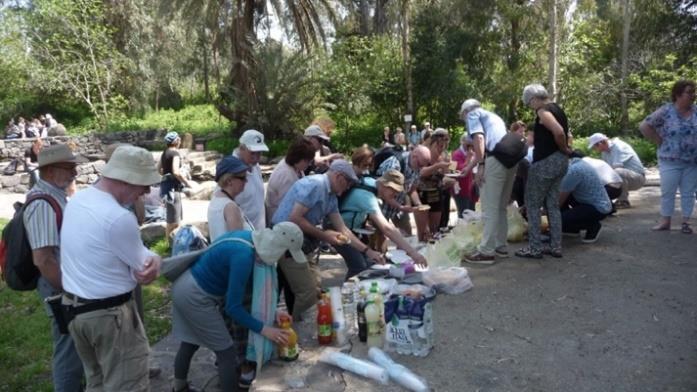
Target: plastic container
290 351
324 321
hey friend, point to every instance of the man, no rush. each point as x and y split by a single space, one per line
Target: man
362 203
308 202
102 260
397 208
323 154
622 157
426 131
612 182
496 182
57 170
251 200
583 201
414 136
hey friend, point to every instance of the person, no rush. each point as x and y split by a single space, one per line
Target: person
173 182
323 155
521 175
308 202
432 190
465 193
223 212
251 199
495 183
549 163
583 201
13 131
102 260
57 171
426 131
400 140
362 160
240 264
608 176
414 136
624 160
289 170
31 159
387 137
673 128
360 205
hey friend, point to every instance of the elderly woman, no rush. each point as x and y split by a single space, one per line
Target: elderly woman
549 163
290 169
431 188
223 212
673 127
239 264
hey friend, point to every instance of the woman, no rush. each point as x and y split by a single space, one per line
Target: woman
291 168
387 137
431 189
362 160
673 128
223 212
239 263
549 163
173 181
467 195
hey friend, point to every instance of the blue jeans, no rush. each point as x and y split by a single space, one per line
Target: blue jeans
67 369
677 175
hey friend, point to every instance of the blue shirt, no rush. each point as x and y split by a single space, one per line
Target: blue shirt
583 182
312 192
225 270
487 123
623 155
358 204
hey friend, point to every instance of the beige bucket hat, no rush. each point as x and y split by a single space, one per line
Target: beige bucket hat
133 165
59 153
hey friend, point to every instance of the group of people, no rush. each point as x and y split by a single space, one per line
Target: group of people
265 242
41 126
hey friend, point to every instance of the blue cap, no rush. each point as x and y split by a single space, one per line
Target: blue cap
171 136
229 164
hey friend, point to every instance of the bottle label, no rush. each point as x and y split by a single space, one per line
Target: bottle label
324 330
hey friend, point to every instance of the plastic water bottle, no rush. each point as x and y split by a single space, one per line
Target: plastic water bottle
349 304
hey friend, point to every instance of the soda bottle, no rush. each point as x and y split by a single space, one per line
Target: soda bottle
376 297
360 316
372 318
324 321
288 352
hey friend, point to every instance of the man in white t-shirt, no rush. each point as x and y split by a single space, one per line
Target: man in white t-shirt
102 260
251 200
624 160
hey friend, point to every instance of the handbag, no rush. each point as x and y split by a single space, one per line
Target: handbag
510 149
173 267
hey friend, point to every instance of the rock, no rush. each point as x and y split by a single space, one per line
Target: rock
21 189
24 178
2 144
99 165
203 191
151 232
10 181
187 141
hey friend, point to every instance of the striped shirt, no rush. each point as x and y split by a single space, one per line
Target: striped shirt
40 219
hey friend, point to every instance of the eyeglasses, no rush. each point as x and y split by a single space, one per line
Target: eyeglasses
241 178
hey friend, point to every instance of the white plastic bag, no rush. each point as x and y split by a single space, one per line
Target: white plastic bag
517 226
451 280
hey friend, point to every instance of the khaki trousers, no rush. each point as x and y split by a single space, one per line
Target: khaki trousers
495 194
631 181
304 280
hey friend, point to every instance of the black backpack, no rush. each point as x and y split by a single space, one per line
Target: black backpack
16 259
386 153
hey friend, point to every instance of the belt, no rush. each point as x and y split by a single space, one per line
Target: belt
90 305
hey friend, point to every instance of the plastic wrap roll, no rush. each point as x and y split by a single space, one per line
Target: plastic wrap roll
355 365
398 373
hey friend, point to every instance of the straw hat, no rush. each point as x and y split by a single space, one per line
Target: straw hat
393 179
133 165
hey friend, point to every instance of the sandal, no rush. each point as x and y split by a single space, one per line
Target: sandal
528 253
554 252
686 229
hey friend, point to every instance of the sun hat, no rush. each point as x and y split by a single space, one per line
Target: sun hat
229 164
58 153
393 179
133 165
440 132
171 136
315 130
272 244
345 168
468 106
253 140
595 139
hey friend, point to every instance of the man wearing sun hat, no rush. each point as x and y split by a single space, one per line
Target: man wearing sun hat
624 160
361 203
102 260
57 170
251 200
323 154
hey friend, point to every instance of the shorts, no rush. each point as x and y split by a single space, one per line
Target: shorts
432 198
173 208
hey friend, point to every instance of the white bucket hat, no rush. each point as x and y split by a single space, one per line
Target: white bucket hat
272 244
133 165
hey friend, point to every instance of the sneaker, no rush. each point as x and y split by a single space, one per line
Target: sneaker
154 371
592 234
529 253
480 258
554 252
501 252
622 204
245 381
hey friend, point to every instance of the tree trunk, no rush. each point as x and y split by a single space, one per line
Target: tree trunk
514 61
364 17
627 19
406 55
552 48
204 58
380 19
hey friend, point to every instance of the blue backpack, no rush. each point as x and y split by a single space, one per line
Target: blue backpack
188 239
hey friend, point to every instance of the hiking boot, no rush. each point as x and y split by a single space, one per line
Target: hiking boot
502 252
592 234
480 258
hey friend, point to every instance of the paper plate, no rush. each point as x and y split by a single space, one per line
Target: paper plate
453 175
423 207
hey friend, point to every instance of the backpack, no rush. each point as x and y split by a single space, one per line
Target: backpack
360 185
16 259
188 239
386 153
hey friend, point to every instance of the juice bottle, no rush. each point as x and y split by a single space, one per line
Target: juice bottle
372 318
289 352
324 321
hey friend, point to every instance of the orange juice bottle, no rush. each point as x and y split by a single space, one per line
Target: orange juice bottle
289 352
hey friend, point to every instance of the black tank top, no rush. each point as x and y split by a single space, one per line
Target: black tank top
167 160
544 138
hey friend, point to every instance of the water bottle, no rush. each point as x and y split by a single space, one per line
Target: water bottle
349 304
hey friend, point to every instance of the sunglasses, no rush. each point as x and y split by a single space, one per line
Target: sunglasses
241 178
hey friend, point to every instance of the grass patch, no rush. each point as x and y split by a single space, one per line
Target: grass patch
25 337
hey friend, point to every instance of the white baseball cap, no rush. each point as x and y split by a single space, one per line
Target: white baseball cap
595 139
253 140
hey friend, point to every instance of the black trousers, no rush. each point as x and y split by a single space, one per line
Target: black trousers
578 216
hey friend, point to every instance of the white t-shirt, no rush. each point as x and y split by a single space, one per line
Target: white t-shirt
100 246
607 174
216 217
282 178
251 199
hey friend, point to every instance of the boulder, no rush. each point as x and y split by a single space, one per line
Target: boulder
10 181
187 141
150 232
203 191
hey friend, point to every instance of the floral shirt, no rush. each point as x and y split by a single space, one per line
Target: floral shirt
679 134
